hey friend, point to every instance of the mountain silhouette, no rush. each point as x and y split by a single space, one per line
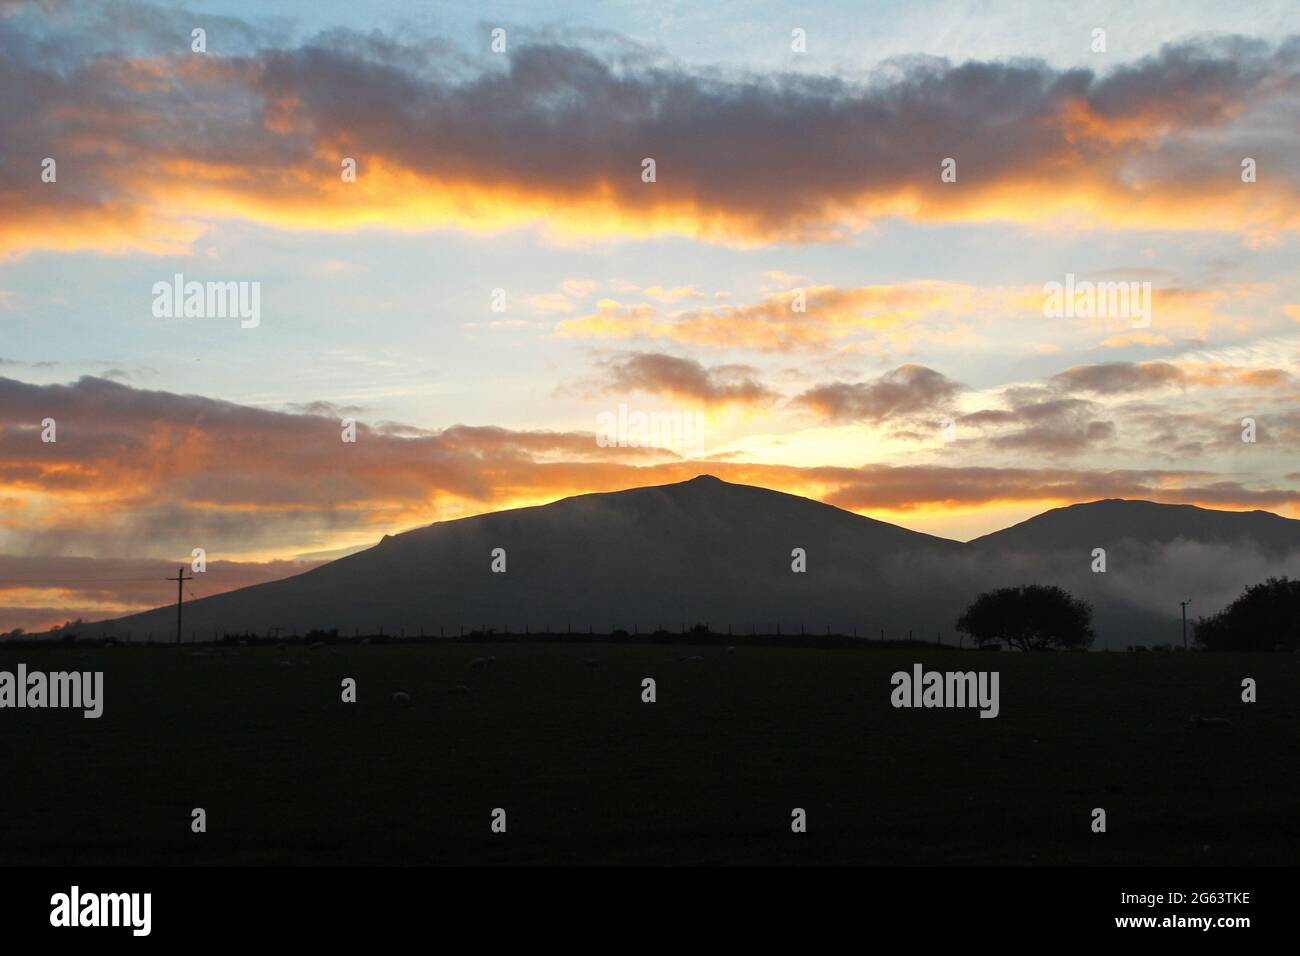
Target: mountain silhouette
1155 556
709 551
1146 522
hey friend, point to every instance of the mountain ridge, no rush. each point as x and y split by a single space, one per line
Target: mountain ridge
1106 517
705 550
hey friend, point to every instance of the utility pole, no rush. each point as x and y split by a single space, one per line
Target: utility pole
1183 605
180 580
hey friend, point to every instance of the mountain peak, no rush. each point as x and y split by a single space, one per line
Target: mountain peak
704 481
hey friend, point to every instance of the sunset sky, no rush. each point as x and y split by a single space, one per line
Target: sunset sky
924 383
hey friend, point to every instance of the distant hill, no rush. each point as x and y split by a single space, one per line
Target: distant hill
1156 556
1117 519
712 552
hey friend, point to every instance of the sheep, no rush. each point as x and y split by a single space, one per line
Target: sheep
1210 723
479 663
401 697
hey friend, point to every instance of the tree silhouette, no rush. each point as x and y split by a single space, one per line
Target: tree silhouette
1264 617
1033 617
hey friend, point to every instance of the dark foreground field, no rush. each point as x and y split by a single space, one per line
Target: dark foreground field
587 773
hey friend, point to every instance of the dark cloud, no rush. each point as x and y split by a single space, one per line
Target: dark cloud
661 374
1039 420
904 392
147 133
1118 377
321 408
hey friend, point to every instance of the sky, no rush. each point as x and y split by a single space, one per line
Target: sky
947 264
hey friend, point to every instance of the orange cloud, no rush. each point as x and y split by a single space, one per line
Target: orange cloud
38 592
685 379
152 146
154 474
827 316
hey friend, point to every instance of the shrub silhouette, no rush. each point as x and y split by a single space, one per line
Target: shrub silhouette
1033 617
1265 617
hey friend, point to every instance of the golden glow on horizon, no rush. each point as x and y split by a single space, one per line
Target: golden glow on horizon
162 211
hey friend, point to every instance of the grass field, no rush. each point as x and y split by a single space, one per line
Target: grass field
587 773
